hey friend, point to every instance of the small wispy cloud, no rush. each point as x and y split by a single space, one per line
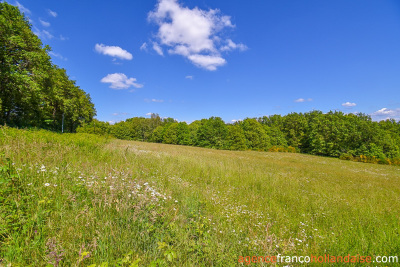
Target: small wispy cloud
114 51
63 38
120 114
120 81
42 34
112 122
52 13
23 9
153 100
190 77
158 49
349 104
301 100
230 45
57 55
44 23
143 46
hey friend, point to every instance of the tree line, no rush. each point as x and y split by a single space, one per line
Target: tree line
34 92
334 134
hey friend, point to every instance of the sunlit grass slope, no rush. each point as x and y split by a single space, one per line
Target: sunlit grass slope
78 199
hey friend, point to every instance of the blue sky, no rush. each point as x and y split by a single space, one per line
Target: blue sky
233 59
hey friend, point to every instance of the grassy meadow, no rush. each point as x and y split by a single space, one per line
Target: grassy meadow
85 200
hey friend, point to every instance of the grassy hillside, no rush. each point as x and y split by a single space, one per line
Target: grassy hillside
79 199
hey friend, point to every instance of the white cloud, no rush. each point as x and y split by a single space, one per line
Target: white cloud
154 100
190 77
349 105
301 100
42 34
207 62
143 46
120 114
230 45
193 33
52 13
57 55
149 114
44 23
23 9
158 49
120 81
114 51
114 122
385 113
63 38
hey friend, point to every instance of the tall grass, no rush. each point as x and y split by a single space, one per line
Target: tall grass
79 200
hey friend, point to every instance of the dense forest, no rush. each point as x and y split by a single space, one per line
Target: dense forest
334 134
33 91
36 93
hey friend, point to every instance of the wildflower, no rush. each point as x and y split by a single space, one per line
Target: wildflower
55 185
30 184
46 184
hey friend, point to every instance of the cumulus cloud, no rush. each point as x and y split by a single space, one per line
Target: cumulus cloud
386 113
193 33
120 81
44 23
52 13
301 100
349 104
114 51
206 61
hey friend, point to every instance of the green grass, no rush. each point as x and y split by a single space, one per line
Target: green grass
80 200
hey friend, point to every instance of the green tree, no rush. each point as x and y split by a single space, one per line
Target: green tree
24 65
235 139
256 137
212 133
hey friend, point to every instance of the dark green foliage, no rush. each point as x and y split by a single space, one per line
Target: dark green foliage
95 127
256 137
236 139
334 134
33 91
212 133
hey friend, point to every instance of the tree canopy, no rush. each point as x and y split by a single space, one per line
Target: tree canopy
33 91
